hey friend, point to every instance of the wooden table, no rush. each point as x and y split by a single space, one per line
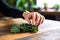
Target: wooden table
46 26
52 13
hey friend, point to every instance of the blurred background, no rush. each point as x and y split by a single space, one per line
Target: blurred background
49 8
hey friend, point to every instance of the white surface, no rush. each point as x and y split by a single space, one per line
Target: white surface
50 25
51 3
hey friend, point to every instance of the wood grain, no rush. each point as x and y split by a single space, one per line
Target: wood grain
4 29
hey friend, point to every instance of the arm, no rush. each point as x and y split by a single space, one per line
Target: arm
8 11
34 16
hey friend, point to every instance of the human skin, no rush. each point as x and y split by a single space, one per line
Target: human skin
34 18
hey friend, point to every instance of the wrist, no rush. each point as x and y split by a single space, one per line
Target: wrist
25 14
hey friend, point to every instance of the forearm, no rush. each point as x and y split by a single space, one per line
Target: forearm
8 11
15 13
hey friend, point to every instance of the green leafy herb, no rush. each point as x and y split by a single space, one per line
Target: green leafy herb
23 28
14 29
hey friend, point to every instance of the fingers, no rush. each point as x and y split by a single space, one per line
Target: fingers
33 18
42 19
27 16
36 19
39 19
28 20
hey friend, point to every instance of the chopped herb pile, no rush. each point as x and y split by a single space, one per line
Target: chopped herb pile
23 28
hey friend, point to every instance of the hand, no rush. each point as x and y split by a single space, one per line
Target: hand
34 18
